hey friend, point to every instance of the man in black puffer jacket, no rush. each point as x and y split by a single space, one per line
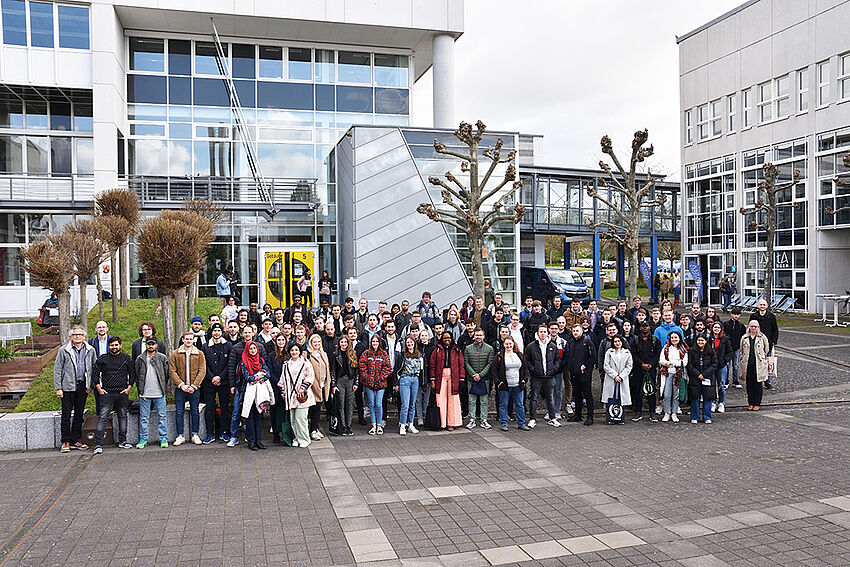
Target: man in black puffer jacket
581 358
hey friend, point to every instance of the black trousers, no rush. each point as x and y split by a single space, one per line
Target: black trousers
254 426
313 415
636 383
582 392
216 423
119 402
755 389
277 410
73 401
464 399
358 402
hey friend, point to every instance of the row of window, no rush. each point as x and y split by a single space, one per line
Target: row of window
184 57
43 155
768 101
45 24
19 114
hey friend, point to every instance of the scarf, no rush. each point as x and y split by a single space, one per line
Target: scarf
252 363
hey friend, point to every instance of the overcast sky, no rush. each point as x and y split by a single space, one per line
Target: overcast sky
573 70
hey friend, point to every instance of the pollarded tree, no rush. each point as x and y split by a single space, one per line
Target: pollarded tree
467 201
120 203
208 211
765 212
114 230
87 251
49 266
628 197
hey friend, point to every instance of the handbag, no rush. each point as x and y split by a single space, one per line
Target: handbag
683 388
432 414
771 367
325 289
301 392
648 388
614 407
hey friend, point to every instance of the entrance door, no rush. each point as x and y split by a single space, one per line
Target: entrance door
281 270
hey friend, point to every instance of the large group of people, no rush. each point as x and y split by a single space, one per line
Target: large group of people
441 368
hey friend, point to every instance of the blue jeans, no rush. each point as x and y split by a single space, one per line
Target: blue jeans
727 299
145 415
180 398
676 291
237 412
513 395
422 399
408 388
670 395
374 401
559 394
701 406
722 380
736 360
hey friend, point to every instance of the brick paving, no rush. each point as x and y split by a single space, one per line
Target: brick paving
750 489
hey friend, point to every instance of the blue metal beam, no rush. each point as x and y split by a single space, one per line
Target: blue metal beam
597 264
621 270
566 254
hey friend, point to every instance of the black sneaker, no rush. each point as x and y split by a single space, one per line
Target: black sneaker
768 385
637 417
589 420
575 419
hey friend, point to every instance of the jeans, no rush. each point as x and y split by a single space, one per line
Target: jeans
701 406
119 402
722 379
73 401
547 385
216 423
422 399
408 389
513 394
671 394
373 402
346 400
676 291
237 411
582 393
736 360
558 394
180 399
727 299
254 426
473 406
145 415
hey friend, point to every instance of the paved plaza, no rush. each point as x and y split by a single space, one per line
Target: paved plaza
767 488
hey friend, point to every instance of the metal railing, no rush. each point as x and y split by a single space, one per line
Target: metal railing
162 189
46 187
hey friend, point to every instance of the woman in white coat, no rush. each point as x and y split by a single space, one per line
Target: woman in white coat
618 367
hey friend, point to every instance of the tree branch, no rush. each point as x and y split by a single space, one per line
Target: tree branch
510 175
433 180
432 213
595 194
442 149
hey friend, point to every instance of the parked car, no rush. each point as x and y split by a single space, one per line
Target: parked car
546 283
588 278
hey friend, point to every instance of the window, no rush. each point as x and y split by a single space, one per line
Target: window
716 118
41 24
271 62
355 67
782 100
391 70
689 128
731 112
823 83
179 57
765 102
300 63
802 86
243 61
14 22
702 122
147 54
844 77
324 72
747 103
73 27
205 58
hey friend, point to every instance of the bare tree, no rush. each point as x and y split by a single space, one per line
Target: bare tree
765 210
840 182
208 211
114 232
87 251
121 203
670 250
466 213
627 198
49 266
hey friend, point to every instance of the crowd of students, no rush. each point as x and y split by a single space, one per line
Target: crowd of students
440 367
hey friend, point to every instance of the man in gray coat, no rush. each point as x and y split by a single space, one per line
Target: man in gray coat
151 379
72 375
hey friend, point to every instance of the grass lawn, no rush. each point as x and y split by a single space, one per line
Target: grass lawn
614 293
42 397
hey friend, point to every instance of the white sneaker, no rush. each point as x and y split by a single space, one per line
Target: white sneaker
380 430
713 407
666 417
554 423
694 421
675 418
411 428
234 441
486 425
196 439
557 416
707 422
314 435
373 430
402 430
179 440
721 408
570 410
531 423
659 410
471 424
679 411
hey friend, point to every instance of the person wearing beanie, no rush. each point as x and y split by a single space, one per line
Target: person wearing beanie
198 330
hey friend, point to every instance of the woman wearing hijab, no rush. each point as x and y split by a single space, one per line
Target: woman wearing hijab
671 363
296 383
375 368
321 385
253 369
446 370
280 415
344 379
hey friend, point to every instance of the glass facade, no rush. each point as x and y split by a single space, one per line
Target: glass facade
17 230
831 149
50 25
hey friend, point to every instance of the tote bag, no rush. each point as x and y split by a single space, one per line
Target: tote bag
432 414
614 407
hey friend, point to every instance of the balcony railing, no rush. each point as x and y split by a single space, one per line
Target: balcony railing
152 189
46 187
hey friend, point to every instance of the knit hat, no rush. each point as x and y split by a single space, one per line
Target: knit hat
197 319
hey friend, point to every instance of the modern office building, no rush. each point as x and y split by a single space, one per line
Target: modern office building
767 82
111 93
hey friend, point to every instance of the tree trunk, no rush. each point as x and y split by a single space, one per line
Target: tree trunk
167 321
193 297
125 274
768 267
84 306
475 243
99 296
113 275
64 316
180 325
634 252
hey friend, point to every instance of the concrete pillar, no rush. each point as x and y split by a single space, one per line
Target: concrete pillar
444 81
597 265
566 254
